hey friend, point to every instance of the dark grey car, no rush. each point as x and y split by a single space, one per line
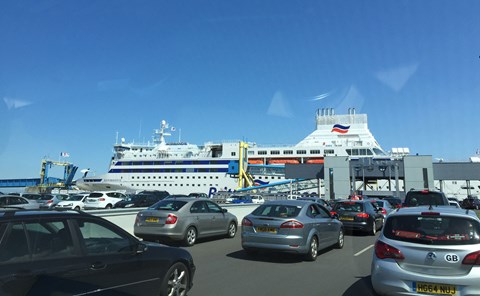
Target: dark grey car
294 226
184 219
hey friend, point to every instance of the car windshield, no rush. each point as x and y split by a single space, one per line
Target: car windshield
168 204
435 230
348 207
281 211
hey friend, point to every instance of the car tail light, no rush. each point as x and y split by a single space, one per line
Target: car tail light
424 191
363 215
472 259
333 213
101 199
292 224
246 222
171 219
384 212
49 201
384 251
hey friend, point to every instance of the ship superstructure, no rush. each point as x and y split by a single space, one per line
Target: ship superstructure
181 168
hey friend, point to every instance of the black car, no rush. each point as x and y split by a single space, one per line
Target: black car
359 215
471 202
425 198
394 201
161 194
141 200
75 253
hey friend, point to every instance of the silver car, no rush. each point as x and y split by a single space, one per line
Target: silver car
428 250
302 227
184 219
15 201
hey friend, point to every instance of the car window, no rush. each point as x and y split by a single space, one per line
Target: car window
213 208
348 207
434 230
323 212
312 211
198 207
272 210
95 194
50 239
101 239
14 244
15 200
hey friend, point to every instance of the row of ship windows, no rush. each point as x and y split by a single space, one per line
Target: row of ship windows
176 177
290 152
197 177
171 185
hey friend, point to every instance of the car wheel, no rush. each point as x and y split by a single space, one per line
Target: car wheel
77 208
341 239
190 236
232 230
312 250
373 231
176 280
109 206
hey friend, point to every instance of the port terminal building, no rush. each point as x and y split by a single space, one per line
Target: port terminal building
341 176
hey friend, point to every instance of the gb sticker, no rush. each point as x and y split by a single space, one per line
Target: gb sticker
452 258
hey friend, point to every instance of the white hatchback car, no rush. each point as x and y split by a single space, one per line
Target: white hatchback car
103 199
74 202
257 199
428 250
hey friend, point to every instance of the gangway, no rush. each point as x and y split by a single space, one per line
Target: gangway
45 183
283 186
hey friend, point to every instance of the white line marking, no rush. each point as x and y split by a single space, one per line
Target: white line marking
362 251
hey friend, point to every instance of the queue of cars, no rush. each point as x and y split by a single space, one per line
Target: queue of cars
425 247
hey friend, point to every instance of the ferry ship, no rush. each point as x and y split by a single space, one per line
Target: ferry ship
181 168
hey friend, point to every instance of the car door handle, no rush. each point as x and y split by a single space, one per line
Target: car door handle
98 266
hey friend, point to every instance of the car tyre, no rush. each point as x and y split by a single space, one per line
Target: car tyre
108 207
341 239
232 230
312 249
190 236
176 280
77 208
373 231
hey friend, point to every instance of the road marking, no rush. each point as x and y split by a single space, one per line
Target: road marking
363 251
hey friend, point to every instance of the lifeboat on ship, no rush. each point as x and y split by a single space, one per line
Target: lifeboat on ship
315 160
283 161
255 161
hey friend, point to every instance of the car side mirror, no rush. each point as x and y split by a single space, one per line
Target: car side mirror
140 248
224 210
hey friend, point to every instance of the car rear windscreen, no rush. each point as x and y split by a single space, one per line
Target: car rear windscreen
348 207
434 230
168 204
424 199
278 211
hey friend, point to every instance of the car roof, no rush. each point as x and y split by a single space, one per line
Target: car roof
37 213
442 209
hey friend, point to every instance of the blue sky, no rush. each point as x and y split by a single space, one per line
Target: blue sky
74 73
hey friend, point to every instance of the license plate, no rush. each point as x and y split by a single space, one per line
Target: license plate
435 289
267 229
346 219
152 220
